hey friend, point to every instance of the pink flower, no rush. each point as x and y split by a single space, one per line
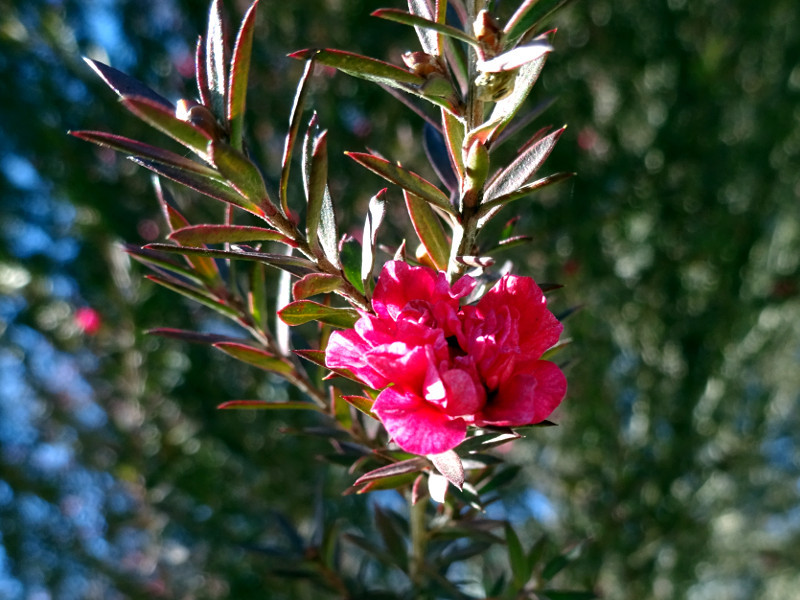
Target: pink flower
443 367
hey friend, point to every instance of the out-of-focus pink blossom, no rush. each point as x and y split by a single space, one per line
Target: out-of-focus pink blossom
88 320
443 367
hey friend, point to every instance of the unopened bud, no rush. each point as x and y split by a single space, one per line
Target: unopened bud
423 64
487 32
199 116
477 164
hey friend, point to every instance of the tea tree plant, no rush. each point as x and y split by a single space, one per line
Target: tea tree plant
419 358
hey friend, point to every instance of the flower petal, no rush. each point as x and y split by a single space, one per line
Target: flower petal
526 398
346 349
417 426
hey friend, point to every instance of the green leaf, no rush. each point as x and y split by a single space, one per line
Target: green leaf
350 254
429 230
567 595
360 403
255 357
316 179
192 337
257 296
316 283
216 59
405 179
486 441
488 210
392 536
536 553
205 185
517 559
262 405
239 170
292 264
411 465
135 148
125 85
400 16
239 75
158 116
530 13
453 131
523 167
369 239
363 67
196 295
303 311
158 261
226 234
291 136
500 478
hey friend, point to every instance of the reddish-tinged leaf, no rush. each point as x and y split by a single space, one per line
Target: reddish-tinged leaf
164 119
412 465
450 466
240 71
405 179
261 405
303 311
362 66
291 135
193 337
239 170
361 403
427 37
429 230
256 357
318 358
530 14
316 175
135 148
292 264
205 185
488 209
316 283
125 85
200 72
513 59
158 261
523 168
226 234
196 295
422 23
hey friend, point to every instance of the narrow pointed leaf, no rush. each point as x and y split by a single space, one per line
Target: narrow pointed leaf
216 59
164 119
369 239
125 85
316 182
255 357
205 185
193 337
361 403
197 296
429 230
405 179
523 168
529 14
393 538
316 283
146 151
158 261
411 465
318 358
515 58
567 595
450 466
226 234
517 559
363 67
262 405
200 72
453 130
240 171
303 311
488 209
257 296
283 334
239 75
291 136
292 264
436 150
420 22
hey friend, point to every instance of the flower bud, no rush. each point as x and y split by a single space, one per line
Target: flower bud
199 116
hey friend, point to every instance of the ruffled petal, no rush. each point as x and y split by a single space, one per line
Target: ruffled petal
526 398
417 426
347 350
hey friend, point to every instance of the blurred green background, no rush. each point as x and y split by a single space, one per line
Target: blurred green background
677 456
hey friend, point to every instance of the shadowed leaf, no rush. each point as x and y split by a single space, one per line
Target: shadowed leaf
239 75
125 85
292 264
196 295
232 234
303 311
362 66
419 22
261 405
164 119
316 283
255 357
193 337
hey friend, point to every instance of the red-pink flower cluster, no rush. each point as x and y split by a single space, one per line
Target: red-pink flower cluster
442 366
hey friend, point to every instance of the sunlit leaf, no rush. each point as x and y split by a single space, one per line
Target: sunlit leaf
303 311
450 466
239 170
530 14
292 264
316 283
291 135
125 85
239 75
369 240
316 182
405 179
164 119
429 230
232 234
350 255
420 22
256 357
216 60
363 67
